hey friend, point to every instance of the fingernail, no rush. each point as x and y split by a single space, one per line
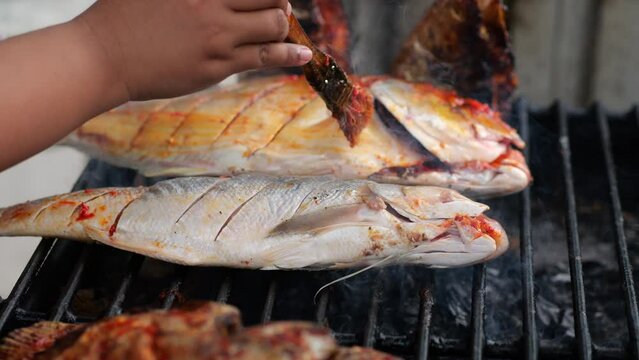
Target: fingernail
305 54
289 9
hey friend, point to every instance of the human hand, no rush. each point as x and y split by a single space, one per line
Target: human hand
173 47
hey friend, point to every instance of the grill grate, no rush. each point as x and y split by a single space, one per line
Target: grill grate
411 311
584 346
620 236
528 284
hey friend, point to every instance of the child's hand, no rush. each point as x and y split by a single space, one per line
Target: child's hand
55 79
172 47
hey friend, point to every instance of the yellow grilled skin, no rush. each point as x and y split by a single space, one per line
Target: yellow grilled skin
278 125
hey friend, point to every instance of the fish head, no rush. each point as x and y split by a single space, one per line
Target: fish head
440 227
461 241
373 224
465 144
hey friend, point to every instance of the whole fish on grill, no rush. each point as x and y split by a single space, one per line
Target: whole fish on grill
264 222
278 125
462 45
200 331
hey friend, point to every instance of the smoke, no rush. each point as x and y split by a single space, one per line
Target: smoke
378 29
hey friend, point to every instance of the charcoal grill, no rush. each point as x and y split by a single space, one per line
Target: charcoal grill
566 289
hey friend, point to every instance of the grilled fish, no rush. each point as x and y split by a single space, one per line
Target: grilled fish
264 222
203 331
463 45
278 125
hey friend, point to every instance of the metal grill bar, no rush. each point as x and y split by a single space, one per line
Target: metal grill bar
270 301
322 306
373 312
31 316
174 289
135 263
134 266
60 310
584 343
23 283
423 331
225 290
531 349
479 302
620 235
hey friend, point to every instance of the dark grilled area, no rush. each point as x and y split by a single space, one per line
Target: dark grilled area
566 289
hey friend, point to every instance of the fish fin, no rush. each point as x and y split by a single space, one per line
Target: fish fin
294 255
329 218
25 343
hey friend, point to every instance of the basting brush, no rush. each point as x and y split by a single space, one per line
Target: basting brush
351 105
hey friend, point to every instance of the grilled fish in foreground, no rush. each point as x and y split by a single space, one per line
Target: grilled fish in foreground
278 125
203 331
263 222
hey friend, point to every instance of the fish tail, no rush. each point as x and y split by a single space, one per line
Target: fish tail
70 215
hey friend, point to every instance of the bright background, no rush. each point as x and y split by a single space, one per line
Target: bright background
51 172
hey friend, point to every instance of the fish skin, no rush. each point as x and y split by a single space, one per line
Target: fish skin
172 334
60 215
476 180
263 222
284 340
455 130
278 126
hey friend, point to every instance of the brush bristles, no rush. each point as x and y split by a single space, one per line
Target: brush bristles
356 115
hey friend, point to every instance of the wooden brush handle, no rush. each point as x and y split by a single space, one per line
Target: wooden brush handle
333 85
297 35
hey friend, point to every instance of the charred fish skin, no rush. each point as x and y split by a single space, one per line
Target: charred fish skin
173 334
263 222
478 61
279 126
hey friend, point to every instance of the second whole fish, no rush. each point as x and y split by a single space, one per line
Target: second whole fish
278 125
264 222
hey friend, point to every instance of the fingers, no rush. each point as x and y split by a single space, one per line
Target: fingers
256 5
261 27
270 55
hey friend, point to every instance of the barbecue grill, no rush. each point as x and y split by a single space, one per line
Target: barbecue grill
566 289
